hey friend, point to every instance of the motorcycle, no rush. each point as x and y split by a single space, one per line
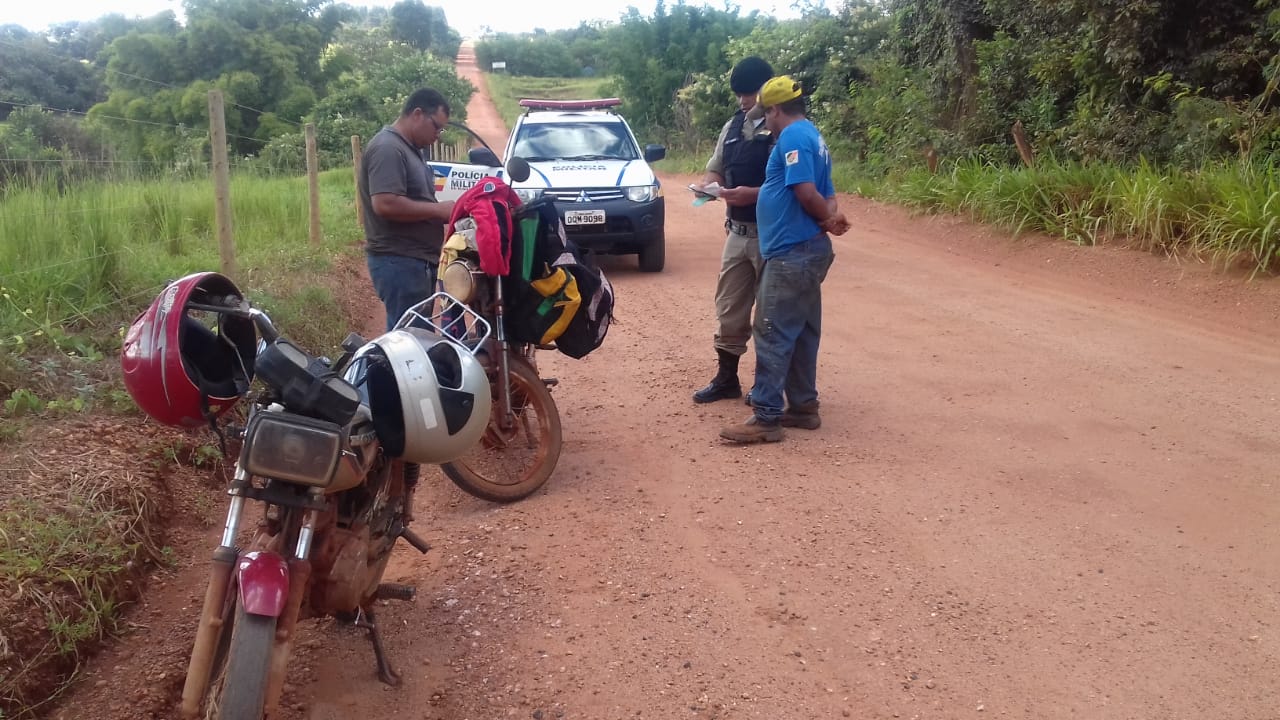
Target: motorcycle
322 450
521 445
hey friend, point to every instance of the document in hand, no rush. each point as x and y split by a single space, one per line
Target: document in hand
710 190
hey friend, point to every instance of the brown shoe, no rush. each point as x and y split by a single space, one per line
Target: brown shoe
803 416
754 430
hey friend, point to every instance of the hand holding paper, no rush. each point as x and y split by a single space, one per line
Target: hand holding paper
711 189
705 193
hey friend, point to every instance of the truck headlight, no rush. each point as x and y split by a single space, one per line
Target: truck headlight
528 195
642 193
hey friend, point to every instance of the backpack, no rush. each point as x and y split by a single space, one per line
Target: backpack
541 299
585 331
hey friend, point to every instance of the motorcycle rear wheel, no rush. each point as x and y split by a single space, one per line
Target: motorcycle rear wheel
511 464
241 690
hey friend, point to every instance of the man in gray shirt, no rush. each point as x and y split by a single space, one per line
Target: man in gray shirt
403 222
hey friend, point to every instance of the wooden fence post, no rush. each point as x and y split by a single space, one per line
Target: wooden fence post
313 182
931 159
356 156
221 183
1023 143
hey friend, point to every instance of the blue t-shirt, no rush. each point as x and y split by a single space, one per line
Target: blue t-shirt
799 156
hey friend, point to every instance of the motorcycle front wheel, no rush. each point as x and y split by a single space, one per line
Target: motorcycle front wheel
239 693
511 463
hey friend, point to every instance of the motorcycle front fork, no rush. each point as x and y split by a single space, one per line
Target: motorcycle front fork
506 417
214 613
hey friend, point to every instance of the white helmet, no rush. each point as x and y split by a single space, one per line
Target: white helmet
429 397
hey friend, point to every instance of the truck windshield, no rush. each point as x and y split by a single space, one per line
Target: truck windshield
575 141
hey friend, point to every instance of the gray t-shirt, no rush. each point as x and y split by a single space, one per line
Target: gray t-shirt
392 165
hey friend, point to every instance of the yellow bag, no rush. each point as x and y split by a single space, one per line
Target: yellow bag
549 312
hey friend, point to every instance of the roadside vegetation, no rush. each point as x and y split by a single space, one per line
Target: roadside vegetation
507 91
1146 122
85 501
1151 123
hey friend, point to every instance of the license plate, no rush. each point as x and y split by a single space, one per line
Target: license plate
584 217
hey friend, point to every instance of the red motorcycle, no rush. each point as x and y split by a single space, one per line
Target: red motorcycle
322 452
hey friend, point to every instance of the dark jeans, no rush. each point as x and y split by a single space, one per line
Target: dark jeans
401 282
788 326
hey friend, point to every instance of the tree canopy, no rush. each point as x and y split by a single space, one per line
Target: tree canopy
1180 81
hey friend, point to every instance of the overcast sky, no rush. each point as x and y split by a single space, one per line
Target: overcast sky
467 16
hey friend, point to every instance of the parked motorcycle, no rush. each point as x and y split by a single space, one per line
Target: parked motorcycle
322 449
521 445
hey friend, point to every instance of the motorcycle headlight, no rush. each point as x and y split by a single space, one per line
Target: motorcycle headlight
527 195
293 448
459 280
642 193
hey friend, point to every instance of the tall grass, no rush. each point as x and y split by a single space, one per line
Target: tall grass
506 91
1227 212
76 263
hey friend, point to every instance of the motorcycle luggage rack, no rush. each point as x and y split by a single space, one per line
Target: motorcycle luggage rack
450 318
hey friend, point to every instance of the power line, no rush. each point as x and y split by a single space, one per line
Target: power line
125 119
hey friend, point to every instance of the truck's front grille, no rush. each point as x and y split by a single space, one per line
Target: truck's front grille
592 194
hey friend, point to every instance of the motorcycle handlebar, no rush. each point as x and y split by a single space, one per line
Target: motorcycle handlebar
233 305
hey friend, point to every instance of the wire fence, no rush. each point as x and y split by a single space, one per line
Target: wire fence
72 197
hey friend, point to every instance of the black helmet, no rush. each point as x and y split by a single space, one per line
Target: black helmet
749 74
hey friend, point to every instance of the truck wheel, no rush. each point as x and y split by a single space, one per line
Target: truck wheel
654 255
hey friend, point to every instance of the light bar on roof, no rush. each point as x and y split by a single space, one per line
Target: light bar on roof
596 104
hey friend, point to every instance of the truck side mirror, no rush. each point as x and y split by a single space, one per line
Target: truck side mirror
483 156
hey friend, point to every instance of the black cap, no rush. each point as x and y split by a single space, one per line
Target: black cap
749 74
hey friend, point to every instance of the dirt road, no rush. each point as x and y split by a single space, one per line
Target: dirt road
1044 487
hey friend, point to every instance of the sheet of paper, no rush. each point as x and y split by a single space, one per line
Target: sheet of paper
711 189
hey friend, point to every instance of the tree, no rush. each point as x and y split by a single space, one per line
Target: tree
38 72
424 28
652 58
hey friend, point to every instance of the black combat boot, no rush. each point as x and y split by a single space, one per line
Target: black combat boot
725 384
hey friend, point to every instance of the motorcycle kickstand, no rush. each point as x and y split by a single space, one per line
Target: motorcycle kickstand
365 619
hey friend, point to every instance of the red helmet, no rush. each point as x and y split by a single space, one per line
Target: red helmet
176 368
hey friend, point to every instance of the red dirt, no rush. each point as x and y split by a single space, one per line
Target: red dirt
1044 488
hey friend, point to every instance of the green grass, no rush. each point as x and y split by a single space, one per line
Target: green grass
506 91
69 548
77 264
1226 212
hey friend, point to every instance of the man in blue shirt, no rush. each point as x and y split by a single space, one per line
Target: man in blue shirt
796 213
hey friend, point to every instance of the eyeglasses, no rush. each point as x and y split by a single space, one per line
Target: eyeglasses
440 128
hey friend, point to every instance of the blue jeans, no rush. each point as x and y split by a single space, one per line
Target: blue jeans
401 282
787 327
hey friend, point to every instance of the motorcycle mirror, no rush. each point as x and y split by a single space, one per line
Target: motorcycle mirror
518 169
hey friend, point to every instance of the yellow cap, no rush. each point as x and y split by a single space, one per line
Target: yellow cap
778 90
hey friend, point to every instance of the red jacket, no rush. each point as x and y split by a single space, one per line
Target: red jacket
492 240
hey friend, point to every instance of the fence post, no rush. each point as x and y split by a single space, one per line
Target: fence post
357 155
313 182
221 183
1023 144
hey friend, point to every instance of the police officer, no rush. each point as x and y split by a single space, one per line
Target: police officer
738 164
